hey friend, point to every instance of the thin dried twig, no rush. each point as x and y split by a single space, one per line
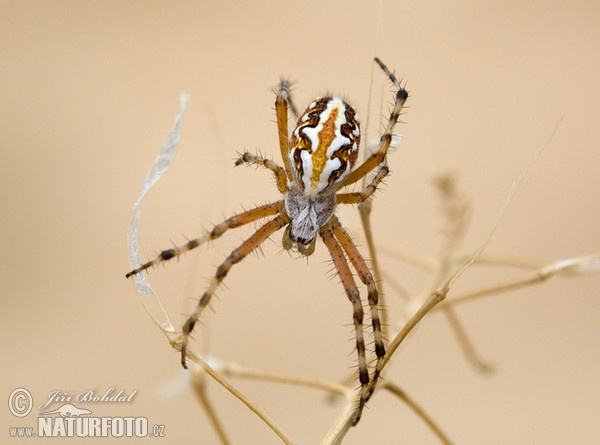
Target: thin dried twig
410 402
198 382
568 268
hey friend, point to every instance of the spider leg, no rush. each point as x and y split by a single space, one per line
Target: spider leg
279 172
341 264
234 257
367 279
359 197
218 230
386 138
282 102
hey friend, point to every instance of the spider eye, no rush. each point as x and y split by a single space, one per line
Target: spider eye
304 230
324 144
304 241
301 240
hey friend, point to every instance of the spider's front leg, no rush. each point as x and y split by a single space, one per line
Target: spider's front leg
282 102
380 154
360 197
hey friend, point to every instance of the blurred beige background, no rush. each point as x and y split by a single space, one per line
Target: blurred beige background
89 91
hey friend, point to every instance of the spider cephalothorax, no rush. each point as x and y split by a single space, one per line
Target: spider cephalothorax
318 160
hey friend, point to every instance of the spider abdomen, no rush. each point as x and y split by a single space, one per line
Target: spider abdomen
324 145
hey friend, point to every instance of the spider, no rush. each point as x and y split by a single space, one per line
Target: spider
318 161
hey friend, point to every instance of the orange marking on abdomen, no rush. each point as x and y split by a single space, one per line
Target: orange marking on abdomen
325 137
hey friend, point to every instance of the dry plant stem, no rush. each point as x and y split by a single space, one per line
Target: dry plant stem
165 326
198 382
343 423
455 209
492 290
410 256
465 342
175 342
501 260
433 299
537 276
236 393
397 287
428 263
236 370
440 294
410 402
344 420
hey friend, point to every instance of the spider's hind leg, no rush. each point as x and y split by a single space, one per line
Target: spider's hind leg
234 257
233 222
343 269
368 280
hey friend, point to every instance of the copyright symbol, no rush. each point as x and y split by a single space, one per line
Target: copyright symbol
20 402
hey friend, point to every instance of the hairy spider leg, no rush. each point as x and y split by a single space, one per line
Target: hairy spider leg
233 222
234 257
379 156
279 172
367 279
290 100
281 111
341 265
362 196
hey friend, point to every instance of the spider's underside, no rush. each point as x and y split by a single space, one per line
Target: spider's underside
318 161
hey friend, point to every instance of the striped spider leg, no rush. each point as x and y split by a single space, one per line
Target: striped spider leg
318 160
